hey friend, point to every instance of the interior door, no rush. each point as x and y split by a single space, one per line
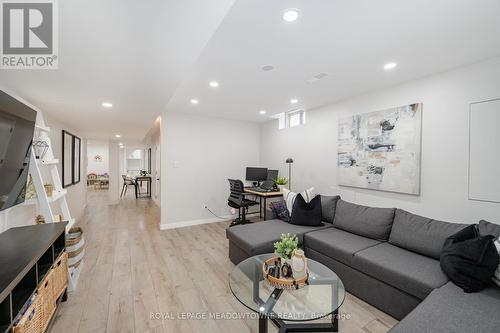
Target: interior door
157 194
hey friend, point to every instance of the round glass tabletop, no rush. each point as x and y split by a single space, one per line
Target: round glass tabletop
323 295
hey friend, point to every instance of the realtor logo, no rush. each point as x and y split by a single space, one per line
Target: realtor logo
29 34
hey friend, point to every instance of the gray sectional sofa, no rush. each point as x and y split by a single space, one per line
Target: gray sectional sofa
387 257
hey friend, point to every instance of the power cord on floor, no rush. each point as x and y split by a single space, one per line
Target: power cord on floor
217 216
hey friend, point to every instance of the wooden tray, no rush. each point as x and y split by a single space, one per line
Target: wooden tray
282 283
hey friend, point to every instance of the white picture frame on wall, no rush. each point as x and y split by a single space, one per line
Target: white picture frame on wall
484 154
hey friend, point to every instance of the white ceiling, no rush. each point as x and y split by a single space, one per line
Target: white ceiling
144 56
128 52
349 40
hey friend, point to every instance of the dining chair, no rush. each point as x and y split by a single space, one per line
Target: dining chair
126 183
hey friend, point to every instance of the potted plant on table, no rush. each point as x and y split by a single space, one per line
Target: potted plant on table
286 246
281 182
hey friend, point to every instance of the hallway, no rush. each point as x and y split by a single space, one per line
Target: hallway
129 271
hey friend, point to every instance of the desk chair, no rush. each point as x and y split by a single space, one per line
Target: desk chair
238 201
126 183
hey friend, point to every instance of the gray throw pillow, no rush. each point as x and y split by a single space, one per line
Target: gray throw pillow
328 206
365 221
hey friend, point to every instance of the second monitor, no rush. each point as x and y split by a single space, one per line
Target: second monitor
272 174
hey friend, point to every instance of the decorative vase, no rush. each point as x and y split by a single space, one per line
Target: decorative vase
281 187
299 264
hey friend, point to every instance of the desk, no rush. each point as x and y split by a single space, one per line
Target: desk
263 196
139 180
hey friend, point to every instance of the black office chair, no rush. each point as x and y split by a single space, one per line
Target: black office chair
238 201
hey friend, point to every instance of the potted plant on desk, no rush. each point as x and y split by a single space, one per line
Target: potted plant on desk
281 182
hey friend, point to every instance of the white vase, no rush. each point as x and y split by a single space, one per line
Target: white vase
299 264
281 187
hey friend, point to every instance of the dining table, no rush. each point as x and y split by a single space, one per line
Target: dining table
138 189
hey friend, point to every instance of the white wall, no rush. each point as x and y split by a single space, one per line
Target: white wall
115 178
77 194
98 148
199 154
445 97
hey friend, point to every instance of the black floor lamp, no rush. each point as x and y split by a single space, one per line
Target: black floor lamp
289 161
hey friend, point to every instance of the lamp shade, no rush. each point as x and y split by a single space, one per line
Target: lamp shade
289 160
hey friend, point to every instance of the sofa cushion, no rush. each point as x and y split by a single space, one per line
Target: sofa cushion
364 221
337 244
410 272
449 309
488 228
328 206
421 234
259 238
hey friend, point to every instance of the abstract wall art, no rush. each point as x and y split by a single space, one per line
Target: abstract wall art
381 150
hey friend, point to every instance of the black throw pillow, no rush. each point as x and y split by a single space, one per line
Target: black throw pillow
469 260
304 213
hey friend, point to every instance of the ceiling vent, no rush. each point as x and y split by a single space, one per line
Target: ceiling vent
317 77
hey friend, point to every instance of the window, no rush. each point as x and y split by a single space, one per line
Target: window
296 118
290 119
281 120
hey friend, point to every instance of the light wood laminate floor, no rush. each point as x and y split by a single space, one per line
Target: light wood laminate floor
132 269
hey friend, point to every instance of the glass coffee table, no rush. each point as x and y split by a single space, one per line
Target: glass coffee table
290 310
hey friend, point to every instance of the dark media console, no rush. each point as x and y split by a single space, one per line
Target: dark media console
27 255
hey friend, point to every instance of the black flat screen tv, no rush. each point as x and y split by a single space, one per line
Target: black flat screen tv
17 124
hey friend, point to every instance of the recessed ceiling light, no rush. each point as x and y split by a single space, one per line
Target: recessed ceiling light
267 68
194 101
118 136
107 105
262 111
214 84
294 101
290 15
390 65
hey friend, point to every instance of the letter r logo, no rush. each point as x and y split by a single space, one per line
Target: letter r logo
27 28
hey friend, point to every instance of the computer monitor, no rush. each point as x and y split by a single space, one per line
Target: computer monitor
272 174
256 174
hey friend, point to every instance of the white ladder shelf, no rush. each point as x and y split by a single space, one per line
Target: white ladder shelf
43 171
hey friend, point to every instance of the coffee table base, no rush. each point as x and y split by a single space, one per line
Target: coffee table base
302 327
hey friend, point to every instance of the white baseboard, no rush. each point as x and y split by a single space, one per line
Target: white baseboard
182 224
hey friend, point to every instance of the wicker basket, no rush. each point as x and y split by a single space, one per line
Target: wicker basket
75 247
45 294
32 319
282 283
60 275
